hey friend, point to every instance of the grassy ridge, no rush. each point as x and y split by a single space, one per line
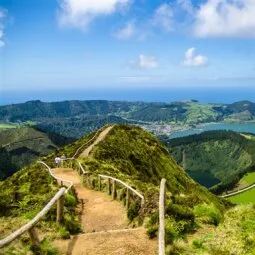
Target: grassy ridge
138 158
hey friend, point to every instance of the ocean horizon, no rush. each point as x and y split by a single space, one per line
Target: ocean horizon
204 95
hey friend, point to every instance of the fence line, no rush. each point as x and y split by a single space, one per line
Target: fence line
33 222
113 191
62 181
82 146
161 235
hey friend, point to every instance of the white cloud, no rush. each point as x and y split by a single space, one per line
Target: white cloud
2 16
194 60
163 17
145 62
127 31
80 13
226 18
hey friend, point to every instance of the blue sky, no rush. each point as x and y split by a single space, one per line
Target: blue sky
136 44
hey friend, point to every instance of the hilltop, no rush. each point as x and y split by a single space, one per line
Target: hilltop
77 118
136 157
218 158
21 146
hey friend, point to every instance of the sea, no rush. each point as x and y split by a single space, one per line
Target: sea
156 94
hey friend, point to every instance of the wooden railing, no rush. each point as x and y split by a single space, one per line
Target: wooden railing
30 226
161 231
85 144
60 181
112 188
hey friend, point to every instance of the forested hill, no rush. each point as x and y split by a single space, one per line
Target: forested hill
77 118
20 146
215 157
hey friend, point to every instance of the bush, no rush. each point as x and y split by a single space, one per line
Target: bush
152 231
180 212
133 210
71 224
208 214
197 243
64 234
171 230
70 200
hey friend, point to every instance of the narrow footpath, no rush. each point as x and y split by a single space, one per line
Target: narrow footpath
104 224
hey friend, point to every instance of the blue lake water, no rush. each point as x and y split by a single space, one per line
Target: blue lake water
244 127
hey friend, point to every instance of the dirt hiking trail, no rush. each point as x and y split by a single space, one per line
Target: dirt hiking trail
104 221
100 138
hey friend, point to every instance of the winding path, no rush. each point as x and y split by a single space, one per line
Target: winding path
104 224
100 138
239 191
104 221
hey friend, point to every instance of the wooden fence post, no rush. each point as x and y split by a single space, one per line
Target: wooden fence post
127 198
114 189
99 183
34 237
109 186
161 236
60 209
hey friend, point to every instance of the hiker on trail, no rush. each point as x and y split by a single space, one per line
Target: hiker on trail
63 157
57 160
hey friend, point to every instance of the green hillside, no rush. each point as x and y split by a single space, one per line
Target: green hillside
23 195
233 236
138 158
21 146
215 157
77 118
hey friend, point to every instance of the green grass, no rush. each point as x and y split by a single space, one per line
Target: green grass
235 235
7 126
248 179
244 198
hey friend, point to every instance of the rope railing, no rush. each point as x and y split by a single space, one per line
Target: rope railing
161 231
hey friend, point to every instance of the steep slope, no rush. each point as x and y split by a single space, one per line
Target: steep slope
23 195
215 157
21 146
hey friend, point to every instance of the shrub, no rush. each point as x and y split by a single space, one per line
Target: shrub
70 200
208 214
197 243
64 234
71 224
133 210
180 212
152 231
